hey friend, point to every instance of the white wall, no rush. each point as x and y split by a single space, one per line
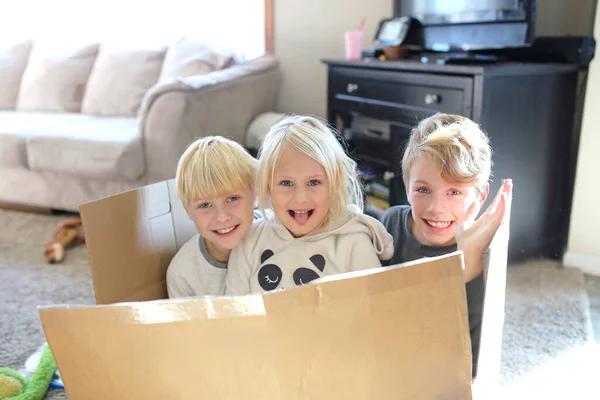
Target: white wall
584 236
561 17
307 30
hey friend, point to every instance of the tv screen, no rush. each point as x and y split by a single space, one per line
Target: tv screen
471 24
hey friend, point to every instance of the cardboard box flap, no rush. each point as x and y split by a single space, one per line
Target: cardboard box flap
388 333
131 238
490 347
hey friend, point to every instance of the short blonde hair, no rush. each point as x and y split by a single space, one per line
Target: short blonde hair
456 145
214 166
309 136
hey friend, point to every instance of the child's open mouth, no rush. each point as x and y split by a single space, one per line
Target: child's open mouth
439 225
300 216
226 231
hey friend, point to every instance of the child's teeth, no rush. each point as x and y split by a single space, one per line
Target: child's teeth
439 224
224 231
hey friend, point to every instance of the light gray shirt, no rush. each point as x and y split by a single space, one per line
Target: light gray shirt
194 272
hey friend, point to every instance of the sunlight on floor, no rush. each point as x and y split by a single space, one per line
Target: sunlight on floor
573 375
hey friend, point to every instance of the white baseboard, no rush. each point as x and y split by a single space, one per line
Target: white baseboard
587 264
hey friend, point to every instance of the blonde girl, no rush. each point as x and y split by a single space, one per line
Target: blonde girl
318 227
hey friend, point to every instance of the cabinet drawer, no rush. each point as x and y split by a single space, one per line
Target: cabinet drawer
413 92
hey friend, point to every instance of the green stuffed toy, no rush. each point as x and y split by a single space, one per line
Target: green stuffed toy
14 386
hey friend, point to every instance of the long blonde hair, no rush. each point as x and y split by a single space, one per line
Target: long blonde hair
310 137
456 145
214 166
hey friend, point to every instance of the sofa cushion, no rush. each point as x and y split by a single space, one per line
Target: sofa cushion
187 58
56 76
120 78
13 60
98 147
17 127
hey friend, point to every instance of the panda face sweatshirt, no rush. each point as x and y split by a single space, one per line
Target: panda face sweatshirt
270 258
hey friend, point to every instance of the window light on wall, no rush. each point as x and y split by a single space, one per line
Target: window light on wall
237 24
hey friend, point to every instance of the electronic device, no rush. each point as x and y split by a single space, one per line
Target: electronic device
394 31
467 59
470 25
371 53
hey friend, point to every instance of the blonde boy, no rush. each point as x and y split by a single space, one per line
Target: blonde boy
215 181
446 169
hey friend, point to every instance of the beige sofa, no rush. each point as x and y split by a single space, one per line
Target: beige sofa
83 121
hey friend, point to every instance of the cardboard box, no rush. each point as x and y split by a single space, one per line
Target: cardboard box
386 333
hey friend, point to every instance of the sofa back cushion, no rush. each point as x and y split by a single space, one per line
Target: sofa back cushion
120 78
186 58
13 60
56 76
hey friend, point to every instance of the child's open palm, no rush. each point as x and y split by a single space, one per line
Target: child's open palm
474 236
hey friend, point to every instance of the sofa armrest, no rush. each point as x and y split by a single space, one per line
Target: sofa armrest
222 103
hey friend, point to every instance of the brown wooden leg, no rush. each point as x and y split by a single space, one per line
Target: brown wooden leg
25 208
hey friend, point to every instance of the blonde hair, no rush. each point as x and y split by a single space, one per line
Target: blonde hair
309 136
456 145
214 166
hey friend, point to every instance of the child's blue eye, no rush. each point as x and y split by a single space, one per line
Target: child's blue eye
233 198
454 192
204 205
286 183
423 190
314 182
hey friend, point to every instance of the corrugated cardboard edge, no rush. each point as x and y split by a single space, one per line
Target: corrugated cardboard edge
242 310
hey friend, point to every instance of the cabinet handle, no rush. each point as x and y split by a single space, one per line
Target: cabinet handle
352 87
432 98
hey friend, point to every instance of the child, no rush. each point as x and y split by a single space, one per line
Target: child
318 227
446 168
215 180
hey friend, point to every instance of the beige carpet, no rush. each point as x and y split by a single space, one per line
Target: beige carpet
548 350
547 329
27 281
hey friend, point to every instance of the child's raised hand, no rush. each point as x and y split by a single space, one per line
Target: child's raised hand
474 236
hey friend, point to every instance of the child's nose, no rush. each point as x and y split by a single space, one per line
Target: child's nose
300 194
223 216
437 203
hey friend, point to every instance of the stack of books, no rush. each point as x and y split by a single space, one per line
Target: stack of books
377 198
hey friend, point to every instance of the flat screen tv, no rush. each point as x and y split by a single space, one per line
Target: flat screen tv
471 25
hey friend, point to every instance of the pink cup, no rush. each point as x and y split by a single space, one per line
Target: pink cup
353 41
